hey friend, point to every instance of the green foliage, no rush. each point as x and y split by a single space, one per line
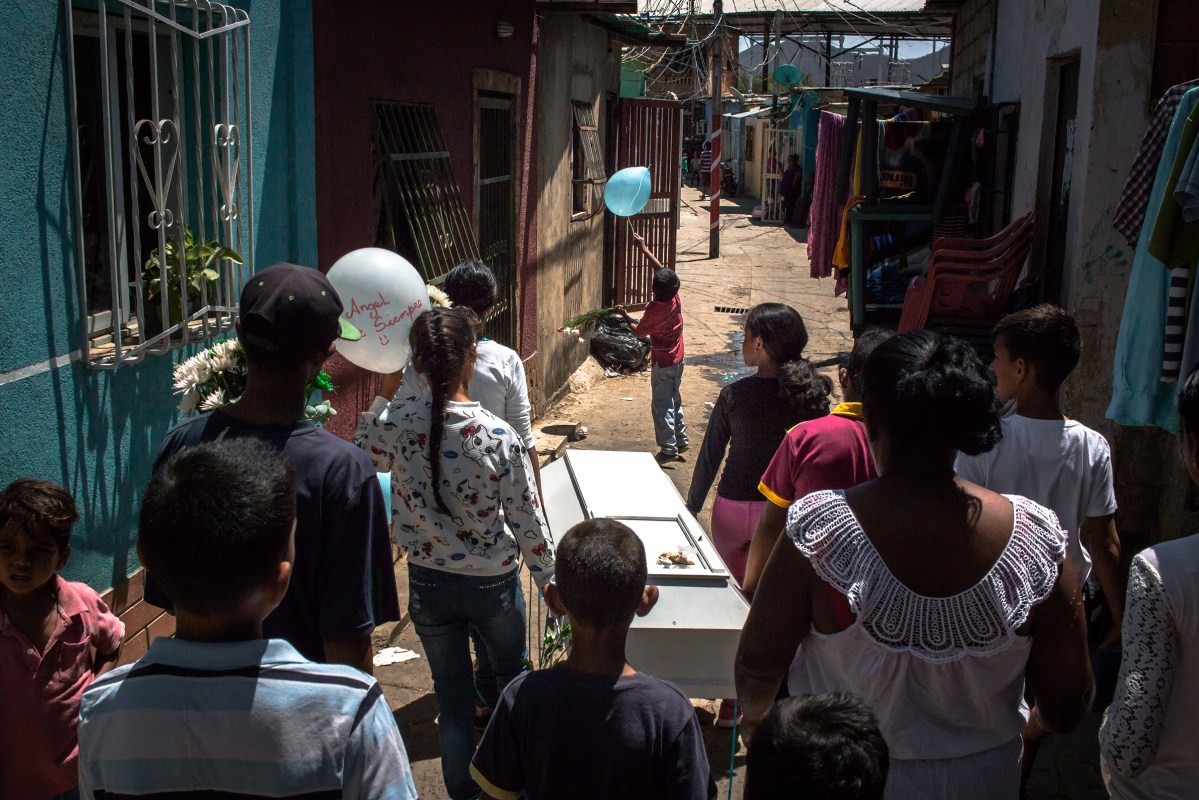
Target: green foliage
558 640
198 261
584 322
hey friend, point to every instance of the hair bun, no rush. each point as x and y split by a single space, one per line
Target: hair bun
922 387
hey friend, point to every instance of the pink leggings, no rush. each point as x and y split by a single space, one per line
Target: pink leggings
733 525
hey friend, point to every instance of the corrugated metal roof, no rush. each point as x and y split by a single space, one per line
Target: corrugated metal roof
794 6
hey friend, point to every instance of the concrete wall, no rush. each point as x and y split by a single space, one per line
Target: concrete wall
574 62
96 432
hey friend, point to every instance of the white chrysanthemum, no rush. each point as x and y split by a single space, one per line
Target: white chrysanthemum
186 375
203 371
437 298
189 400
213 401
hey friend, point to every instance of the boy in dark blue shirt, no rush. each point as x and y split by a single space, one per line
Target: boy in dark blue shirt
342 583
627 735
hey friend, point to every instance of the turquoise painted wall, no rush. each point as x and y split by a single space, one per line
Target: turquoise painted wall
96 432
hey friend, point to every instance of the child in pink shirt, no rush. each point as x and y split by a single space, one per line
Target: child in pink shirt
56 637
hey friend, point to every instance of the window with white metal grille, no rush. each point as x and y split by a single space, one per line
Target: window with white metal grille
160 99
587 164
418 209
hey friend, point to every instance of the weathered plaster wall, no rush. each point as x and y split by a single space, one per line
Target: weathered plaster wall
95 432
574 63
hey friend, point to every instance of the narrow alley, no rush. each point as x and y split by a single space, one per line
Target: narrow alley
758 264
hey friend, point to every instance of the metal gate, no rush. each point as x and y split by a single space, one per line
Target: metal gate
495 208
780 143
650 135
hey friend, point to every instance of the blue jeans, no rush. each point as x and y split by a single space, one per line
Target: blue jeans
666 404
443 606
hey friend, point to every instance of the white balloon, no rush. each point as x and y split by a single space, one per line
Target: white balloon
382 294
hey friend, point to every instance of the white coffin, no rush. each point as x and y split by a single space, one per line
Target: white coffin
690 637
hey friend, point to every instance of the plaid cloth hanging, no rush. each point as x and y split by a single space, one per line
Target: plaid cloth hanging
1130 210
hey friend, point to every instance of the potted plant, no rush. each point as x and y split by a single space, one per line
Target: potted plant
199 261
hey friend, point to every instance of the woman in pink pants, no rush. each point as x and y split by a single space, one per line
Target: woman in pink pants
749 420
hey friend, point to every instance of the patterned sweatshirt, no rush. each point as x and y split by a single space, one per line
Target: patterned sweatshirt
486 484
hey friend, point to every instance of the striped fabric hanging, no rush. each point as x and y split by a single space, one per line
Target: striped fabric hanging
1176 317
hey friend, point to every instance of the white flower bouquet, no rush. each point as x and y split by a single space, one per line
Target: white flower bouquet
216 377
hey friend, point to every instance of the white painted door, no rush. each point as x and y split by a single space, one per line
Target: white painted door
780 143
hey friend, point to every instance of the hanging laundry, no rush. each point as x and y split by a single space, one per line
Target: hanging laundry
1173 240
1175 243
1138 395
826 206
1134 200
1187 190
1176 321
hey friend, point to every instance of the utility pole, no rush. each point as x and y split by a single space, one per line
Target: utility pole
775 57
717 113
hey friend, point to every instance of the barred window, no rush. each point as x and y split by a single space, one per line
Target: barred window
160 100
587 164
418 208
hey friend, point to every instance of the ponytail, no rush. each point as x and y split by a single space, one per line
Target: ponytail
441 341
804 390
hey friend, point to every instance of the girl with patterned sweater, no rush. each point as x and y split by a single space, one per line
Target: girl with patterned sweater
465 509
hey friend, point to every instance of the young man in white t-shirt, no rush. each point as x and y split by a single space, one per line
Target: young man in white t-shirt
1057 462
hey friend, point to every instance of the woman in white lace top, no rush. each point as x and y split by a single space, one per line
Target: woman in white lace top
1149 734
928 596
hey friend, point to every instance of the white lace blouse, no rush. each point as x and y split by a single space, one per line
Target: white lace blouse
944 675
1149 734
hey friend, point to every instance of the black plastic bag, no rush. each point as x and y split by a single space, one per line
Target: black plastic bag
615 347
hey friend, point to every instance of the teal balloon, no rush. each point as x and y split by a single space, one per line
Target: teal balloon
627 191
788 75
385 485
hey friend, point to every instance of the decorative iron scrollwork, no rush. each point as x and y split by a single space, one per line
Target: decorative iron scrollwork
226 156
158 135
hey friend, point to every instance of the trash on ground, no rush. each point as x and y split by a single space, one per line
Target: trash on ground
626 398
394 655
615 347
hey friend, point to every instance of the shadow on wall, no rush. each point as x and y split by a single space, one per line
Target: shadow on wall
95 432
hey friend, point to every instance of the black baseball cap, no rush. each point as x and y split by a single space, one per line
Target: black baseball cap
292 310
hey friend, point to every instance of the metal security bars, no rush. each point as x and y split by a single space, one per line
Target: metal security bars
587 164
419 210
164 207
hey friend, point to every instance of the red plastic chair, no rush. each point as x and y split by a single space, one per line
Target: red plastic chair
968 278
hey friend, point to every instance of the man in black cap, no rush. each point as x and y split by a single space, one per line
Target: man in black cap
342 583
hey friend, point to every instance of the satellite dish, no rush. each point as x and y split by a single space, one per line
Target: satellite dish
788 75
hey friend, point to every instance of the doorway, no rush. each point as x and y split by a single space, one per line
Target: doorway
495 204
1058 217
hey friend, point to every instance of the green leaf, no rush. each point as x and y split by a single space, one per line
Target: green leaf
210 274
228 253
